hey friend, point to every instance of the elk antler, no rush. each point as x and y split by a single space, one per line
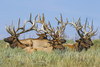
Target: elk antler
61 29
46 28
30 21
50 30
13 32
82 30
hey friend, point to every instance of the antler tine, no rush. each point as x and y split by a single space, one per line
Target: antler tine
91 28
8 30
24 26
11 25
93 33
51 28
63 28
78 27
18 25
65 23
61 18
39 19
30 19
49 24
43 18
57 20
61 21
35 19
85 33
13 29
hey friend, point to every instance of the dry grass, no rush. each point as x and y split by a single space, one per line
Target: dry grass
68 58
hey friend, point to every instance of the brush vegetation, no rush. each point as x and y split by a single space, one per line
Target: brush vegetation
67 58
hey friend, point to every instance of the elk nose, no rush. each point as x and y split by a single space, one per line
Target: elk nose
88 46
4 39
92 44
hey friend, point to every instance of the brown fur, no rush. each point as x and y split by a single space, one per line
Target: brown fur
32 44
72 46
80 44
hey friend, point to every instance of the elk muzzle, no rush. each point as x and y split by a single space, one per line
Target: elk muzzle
8 39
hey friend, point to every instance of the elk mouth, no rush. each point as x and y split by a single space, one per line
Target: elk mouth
92 44
13 45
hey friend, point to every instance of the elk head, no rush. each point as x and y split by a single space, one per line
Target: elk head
13 39
85 34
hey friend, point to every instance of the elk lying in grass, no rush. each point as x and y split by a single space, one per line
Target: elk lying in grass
13 39
41 43
56 35
85 36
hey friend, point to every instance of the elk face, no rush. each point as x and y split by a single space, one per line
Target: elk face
9 39
84 43
12 41
88 41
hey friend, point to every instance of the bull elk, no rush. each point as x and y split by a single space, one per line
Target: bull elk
85 32
56 36
13 39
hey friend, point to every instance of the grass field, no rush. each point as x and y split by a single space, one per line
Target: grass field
67 58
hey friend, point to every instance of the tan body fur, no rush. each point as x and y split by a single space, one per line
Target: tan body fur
37 45
72 46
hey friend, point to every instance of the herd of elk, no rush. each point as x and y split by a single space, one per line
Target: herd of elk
49 38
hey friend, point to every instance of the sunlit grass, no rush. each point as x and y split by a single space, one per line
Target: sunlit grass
67 58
